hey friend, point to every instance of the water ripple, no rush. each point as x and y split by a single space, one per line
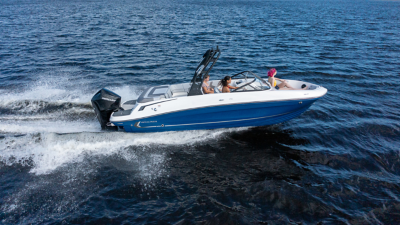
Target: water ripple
336 163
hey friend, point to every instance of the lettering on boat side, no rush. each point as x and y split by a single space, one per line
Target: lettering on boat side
148 121
107 99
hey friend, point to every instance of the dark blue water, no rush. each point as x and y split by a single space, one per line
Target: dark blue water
337 163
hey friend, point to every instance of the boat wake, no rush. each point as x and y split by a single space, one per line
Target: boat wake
47 128
44 152
52 135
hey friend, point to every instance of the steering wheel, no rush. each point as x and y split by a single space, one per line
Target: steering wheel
239 86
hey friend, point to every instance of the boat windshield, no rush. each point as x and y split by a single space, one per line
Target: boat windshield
248 81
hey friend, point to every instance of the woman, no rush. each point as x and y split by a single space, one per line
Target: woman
284 85
206 87
225 84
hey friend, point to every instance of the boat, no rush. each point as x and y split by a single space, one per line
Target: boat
184 106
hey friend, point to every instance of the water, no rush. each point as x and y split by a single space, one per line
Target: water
337 163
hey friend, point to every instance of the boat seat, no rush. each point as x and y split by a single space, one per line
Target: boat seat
179 94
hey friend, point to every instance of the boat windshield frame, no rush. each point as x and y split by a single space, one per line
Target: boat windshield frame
245 75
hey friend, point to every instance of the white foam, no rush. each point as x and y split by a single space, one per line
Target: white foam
126 92
48 151
46 126
44 92
45 151
59 115
59 90
28 105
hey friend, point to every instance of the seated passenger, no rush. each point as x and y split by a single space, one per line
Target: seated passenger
225 84
284 85
206 87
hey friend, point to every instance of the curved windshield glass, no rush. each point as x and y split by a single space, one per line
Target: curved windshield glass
248 81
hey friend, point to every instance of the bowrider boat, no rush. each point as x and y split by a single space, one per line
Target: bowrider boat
185 107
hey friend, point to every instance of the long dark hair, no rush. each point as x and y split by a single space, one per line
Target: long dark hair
224 81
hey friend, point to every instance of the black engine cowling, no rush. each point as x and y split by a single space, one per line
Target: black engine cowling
104 103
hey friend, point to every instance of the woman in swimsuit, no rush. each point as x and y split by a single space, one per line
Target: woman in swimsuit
225 84
206 87
284 85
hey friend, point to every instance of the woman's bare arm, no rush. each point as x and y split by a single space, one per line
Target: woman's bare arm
231 87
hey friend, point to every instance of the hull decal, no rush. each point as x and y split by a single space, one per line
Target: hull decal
137 125
143 107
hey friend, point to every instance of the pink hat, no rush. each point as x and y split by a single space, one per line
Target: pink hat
271 72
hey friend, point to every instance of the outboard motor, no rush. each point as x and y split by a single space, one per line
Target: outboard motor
104 103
